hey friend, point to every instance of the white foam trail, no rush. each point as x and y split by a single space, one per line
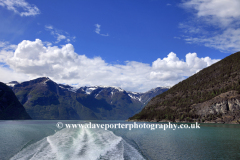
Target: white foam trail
83 144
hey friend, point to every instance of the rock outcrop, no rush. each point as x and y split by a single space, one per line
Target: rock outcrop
226 104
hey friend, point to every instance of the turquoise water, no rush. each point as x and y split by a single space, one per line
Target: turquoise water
43 140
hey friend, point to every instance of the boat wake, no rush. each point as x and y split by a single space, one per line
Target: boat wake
85 144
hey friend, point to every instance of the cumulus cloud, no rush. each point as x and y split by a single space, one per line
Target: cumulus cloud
17 5
222 15
97 30
33 59
7 74
171 68
59 34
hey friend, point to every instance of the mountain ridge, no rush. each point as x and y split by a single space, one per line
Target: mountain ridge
59 101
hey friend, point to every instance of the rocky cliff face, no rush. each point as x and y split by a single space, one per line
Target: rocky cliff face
222 108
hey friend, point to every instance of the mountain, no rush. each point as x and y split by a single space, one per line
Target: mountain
45 99
211 95
10 107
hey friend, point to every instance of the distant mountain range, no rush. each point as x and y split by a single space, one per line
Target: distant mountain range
10 107
44 99
212 95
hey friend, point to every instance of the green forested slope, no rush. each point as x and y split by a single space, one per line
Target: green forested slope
210 82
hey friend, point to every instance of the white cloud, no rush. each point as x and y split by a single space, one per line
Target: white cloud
171 68
221 17
223 12
48 27
59 35
17 5
228 40
9 75
7 46
62 64
97 30
7 51
188 28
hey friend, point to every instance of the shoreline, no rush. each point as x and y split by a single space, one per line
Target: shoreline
163 121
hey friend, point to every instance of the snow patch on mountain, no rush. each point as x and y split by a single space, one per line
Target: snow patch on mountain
90 89
12 84
70 88
45 82
117 88
135 96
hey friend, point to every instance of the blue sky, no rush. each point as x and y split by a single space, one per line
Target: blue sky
133 44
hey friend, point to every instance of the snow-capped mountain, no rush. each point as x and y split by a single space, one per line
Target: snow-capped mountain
141 97
147 96
45 99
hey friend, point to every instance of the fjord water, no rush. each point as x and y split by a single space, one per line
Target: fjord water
43 140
